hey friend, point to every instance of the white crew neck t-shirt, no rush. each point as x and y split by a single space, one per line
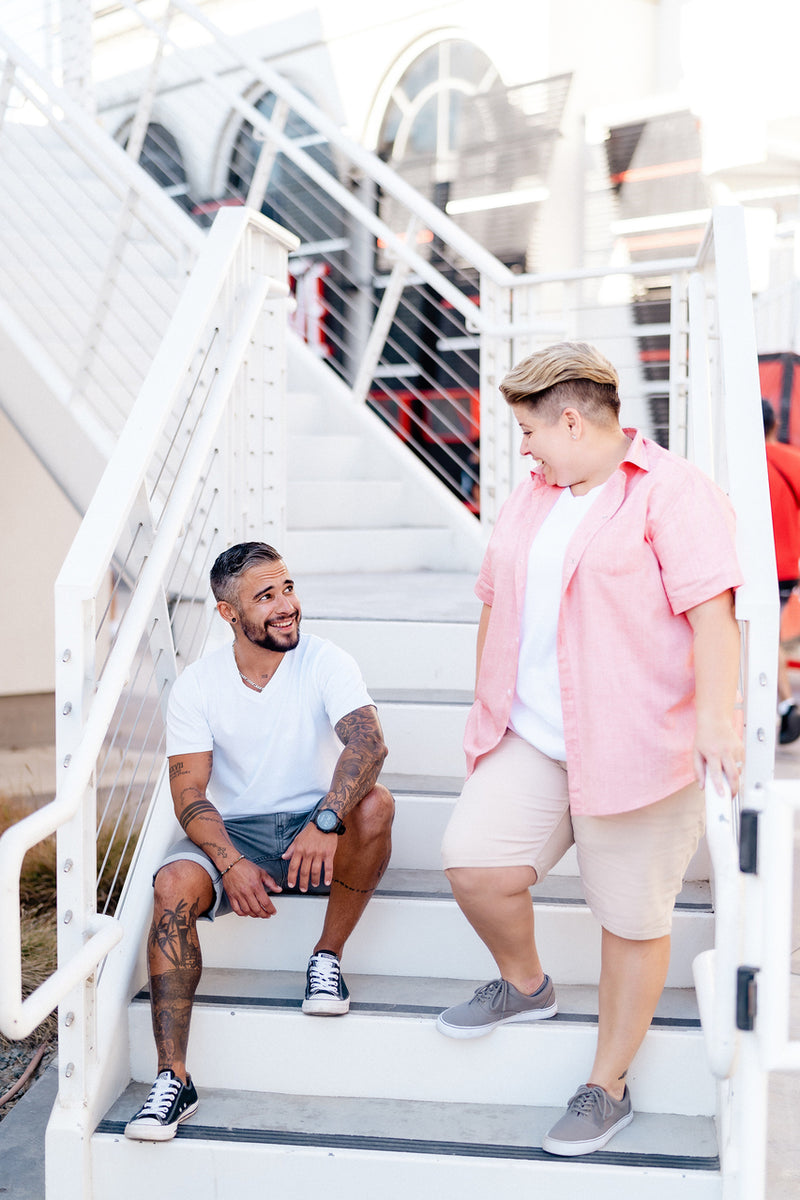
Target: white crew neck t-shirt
273 751
536 713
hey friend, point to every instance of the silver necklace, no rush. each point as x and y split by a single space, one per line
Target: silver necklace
258 687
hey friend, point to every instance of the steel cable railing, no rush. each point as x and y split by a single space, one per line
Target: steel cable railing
358 222
120 654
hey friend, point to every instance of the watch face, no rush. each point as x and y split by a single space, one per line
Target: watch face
326 820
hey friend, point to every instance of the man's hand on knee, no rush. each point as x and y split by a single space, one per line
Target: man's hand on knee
248 888
310 858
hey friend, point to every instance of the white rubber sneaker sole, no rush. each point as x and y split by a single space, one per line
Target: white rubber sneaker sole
571 1149
153 1132
326 1007
473 1031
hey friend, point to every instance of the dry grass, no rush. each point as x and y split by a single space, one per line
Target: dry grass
38 923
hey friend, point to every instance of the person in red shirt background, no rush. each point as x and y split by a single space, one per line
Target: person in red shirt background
783 471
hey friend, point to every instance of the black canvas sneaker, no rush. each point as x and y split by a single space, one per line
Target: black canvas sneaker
169 1103
326 990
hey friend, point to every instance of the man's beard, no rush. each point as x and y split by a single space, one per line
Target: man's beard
267 640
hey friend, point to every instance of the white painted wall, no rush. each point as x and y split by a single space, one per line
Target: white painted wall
37 528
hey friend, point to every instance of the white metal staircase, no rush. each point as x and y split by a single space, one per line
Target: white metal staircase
379 1100
376 1101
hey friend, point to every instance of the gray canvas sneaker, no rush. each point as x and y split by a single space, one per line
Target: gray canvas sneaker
497 1003
592 1118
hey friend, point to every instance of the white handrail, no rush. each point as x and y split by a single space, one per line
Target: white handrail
94 544
715 970
776 845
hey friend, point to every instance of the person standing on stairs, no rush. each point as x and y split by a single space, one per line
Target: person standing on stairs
608 655
783 474
257 732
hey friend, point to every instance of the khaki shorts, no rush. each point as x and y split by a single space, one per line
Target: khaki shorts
514 811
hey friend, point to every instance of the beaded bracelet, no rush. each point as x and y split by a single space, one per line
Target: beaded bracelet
233 864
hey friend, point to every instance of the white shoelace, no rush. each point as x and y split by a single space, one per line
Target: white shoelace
323 974
162 1096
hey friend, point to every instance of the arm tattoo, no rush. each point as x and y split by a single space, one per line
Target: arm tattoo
361 759
195 809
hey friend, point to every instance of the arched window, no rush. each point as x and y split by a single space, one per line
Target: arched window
476 148
162 159
284 192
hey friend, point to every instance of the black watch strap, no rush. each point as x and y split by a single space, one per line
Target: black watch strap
327 820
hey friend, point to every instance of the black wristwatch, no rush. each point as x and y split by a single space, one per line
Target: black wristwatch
326 820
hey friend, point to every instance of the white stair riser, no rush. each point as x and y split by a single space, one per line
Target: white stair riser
398 936
361 503
337 456
424 739
405 1058
419 826
345 551
125 1170
406 654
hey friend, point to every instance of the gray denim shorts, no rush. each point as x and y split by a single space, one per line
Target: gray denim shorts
262 839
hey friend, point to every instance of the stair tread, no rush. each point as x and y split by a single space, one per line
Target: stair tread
423 1127
422 785
410 995
391 596
555 889
422 696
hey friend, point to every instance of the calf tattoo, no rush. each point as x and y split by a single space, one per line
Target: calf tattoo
175 935
172 991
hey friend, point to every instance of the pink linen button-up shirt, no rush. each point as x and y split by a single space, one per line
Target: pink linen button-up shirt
657 541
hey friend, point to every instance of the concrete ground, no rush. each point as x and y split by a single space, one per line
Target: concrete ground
22 1130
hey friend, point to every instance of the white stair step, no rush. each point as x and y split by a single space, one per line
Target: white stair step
366 1147
406 653
412 926
420 597
362 503
329 456
422 809
346 551
425 734
389 1044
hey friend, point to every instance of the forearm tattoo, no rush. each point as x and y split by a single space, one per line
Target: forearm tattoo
360 761
193 810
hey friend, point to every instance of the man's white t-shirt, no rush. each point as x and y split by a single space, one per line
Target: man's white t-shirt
273 751
536 713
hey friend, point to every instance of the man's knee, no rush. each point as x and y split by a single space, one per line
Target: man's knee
183 884
373 815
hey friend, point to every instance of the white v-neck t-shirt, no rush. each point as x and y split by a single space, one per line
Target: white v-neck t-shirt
536 713
273 751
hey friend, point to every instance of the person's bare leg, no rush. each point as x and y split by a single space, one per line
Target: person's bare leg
632 976
784 681
182 892
497 904
362 856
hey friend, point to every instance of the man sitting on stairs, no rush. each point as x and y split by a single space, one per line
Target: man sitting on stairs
256 733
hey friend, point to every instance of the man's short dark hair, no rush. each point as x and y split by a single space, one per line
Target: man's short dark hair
768 416
232 563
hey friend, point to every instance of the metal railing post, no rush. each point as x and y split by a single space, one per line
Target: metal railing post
495 419
76 856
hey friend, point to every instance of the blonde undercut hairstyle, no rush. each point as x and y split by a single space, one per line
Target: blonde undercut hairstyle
565 375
